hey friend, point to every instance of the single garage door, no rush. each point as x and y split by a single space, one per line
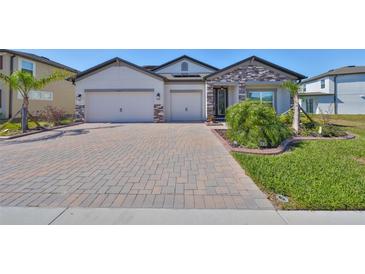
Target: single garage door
119 106
186 105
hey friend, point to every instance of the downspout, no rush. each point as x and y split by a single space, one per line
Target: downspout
10 89
335 93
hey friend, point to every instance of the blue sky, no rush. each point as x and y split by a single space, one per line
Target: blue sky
308 62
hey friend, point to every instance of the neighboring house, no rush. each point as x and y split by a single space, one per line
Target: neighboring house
338 91
59 93
184 89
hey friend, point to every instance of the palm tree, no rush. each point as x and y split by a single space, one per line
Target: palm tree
24 82
293 88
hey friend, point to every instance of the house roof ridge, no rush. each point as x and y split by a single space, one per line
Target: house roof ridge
39 58
261 60
186 57
116 59
353 69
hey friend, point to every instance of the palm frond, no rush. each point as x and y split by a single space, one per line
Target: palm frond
10 81
55 76
291 86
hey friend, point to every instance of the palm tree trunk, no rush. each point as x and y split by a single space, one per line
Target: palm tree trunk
25 114
296 117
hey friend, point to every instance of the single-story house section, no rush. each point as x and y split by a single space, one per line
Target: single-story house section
338 91
184 89
253 78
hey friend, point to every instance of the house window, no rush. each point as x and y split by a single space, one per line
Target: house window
184 66
323 83
309 105
39 95
266 97
304 87
1 62
27 66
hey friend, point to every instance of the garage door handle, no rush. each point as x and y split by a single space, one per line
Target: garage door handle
121 109
186 109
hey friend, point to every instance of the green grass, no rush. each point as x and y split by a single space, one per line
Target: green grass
14 127
316 174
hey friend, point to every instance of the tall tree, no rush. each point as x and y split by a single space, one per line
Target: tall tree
24 82
293 88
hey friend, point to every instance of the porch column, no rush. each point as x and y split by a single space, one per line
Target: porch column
210 100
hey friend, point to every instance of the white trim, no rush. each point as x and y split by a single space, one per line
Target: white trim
27 60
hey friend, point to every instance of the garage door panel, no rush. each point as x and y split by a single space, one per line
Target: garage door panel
119 107
186 106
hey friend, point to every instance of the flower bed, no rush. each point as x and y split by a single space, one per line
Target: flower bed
222 136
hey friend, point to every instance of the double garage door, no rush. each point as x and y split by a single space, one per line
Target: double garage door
117 106
137 106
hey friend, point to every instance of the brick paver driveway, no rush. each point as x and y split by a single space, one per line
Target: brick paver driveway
125 165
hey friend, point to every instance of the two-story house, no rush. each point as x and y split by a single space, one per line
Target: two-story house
60 93
338 91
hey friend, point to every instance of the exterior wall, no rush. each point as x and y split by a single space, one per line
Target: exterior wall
192 68
321 104
351 94
183 86
63 91
282 100
315 86
233 97
240 76
122 77
4 109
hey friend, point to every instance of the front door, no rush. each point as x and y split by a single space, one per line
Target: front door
221 101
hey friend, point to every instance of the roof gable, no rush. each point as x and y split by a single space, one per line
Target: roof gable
205 67
117 61
253 59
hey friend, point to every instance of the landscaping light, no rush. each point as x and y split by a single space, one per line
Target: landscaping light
282 198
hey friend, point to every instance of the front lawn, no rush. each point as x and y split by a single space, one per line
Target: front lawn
14 127
316 174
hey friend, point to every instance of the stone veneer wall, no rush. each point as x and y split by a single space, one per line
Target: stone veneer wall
80 112
158 113
240 75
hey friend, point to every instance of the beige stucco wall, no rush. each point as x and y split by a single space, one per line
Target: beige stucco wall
63 91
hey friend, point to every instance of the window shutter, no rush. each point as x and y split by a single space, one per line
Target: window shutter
1 62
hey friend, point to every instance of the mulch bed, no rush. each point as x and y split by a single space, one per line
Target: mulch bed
213 124
221 134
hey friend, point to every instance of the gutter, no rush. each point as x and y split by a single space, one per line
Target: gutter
335 94
10 89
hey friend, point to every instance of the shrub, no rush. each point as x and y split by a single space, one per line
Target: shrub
254 125
287 118
52 115
332 131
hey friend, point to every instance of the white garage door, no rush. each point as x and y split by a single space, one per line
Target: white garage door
136 106
186 105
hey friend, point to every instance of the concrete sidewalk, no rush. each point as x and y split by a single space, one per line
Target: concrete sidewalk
123 216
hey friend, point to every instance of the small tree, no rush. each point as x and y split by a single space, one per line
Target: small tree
25 82
293 88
